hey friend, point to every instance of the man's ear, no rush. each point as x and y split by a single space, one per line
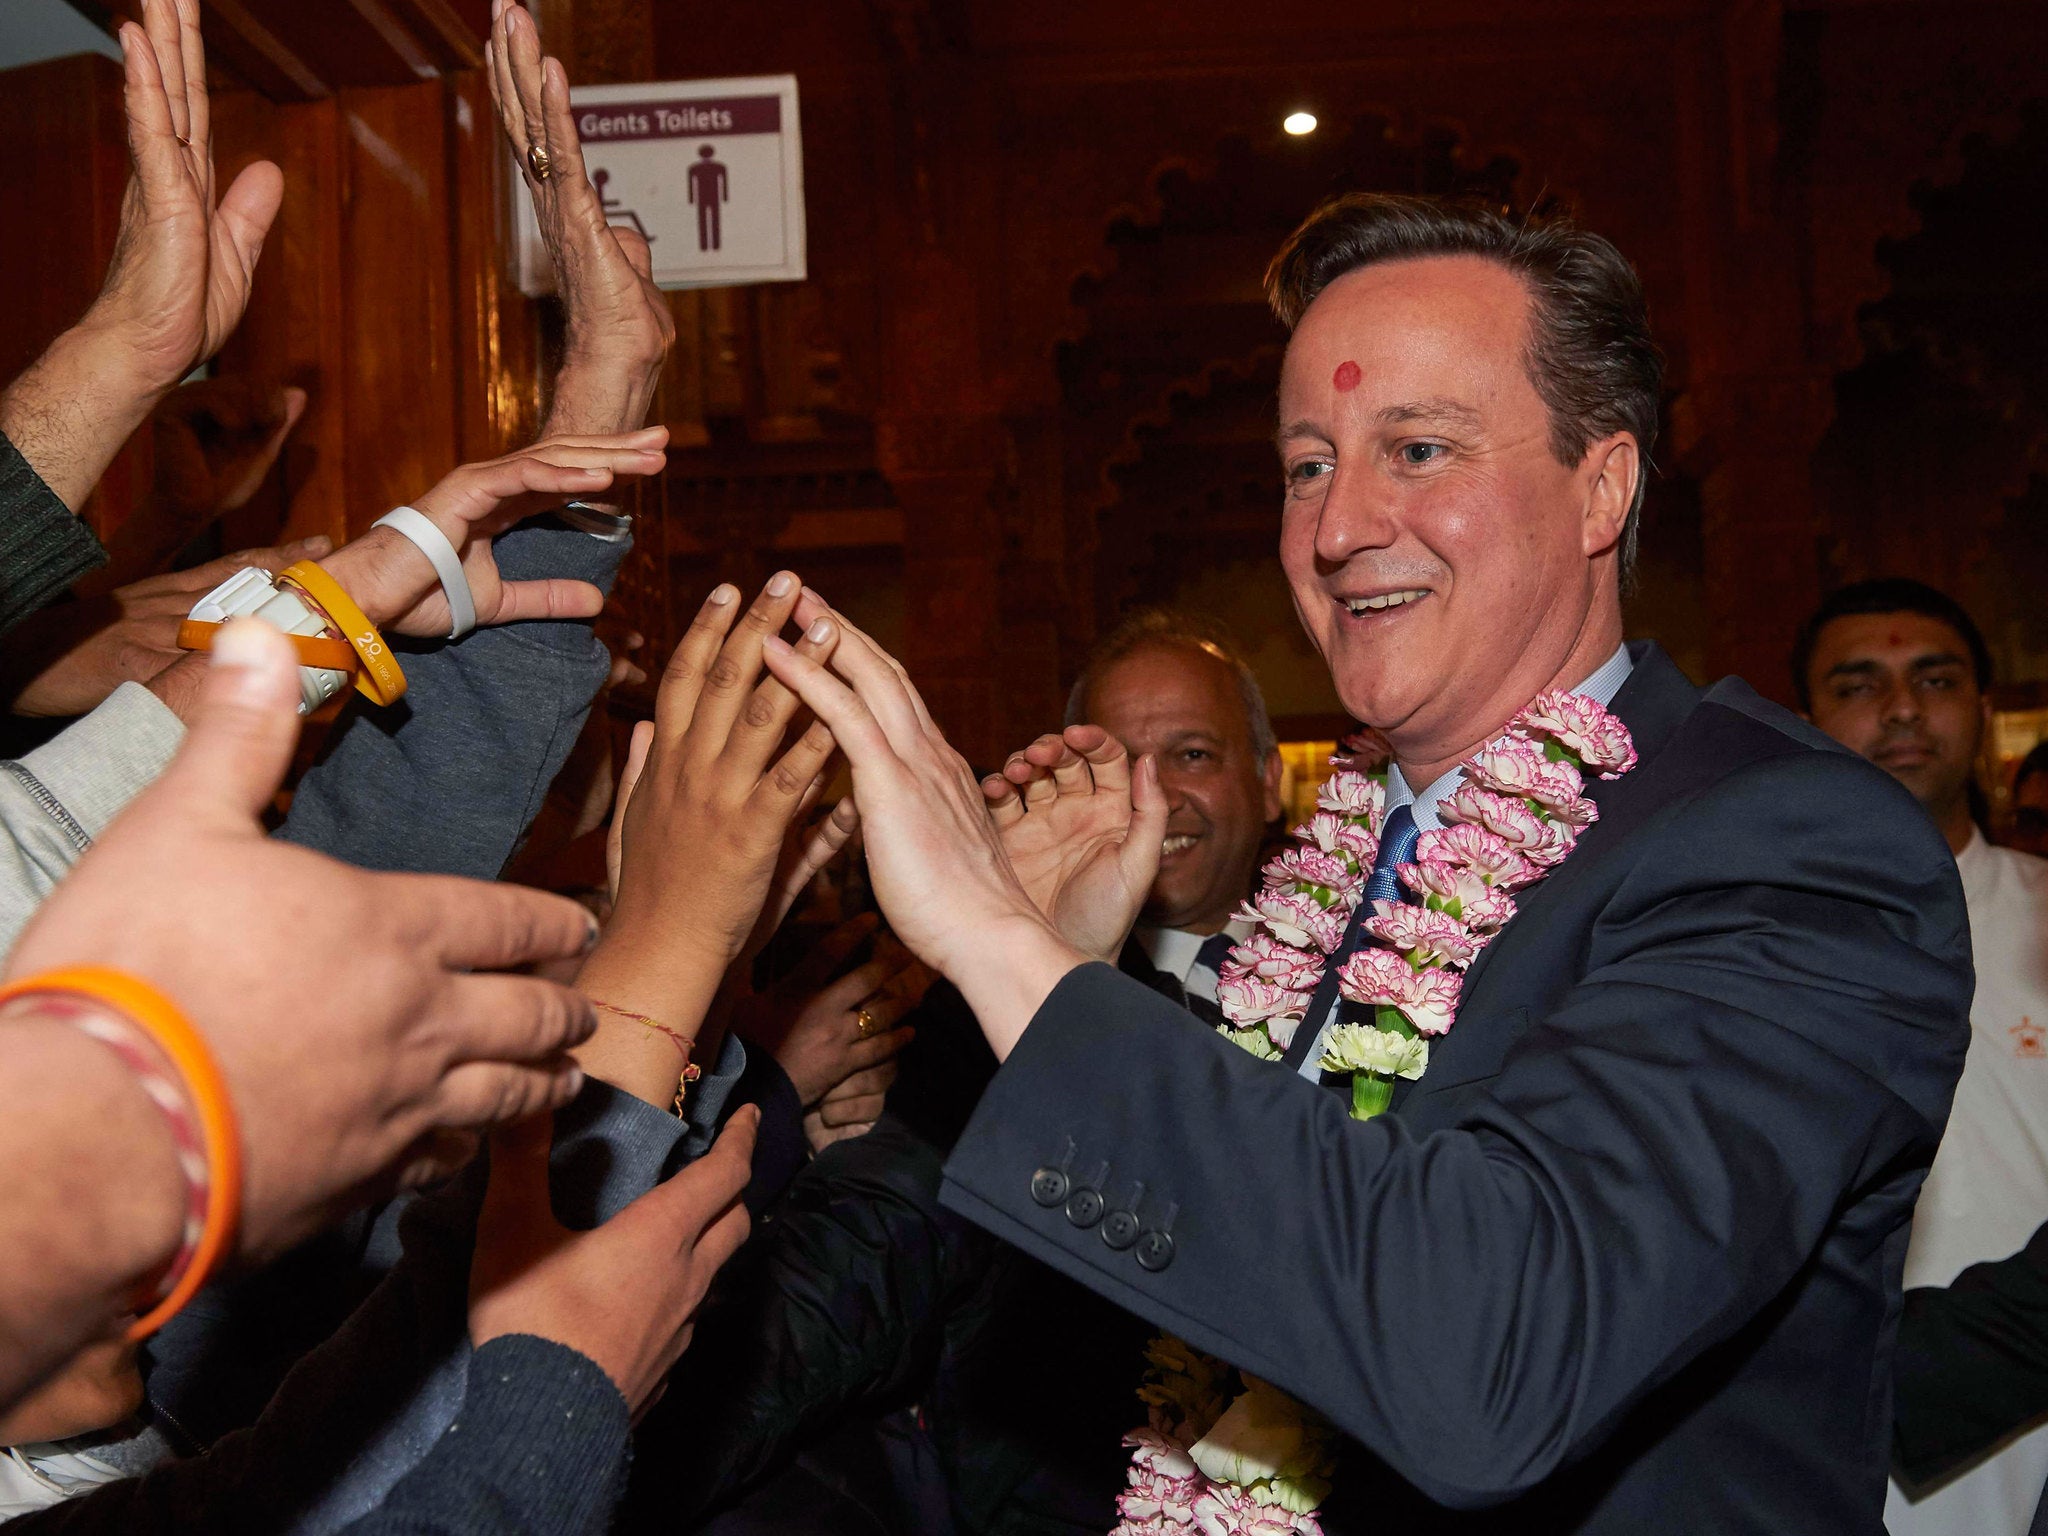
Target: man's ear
1270 782
1616 466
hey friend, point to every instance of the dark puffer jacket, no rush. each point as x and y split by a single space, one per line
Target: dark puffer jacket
860 1296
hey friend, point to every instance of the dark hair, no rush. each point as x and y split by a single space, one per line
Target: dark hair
1889 594
1168 627
1590 355
2034 764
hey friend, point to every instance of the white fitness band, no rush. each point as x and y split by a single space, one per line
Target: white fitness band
250 591
433 543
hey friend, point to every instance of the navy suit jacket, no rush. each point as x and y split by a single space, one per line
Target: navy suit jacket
1627 1257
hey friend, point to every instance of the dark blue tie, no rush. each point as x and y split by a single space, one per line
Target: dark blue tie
1397 846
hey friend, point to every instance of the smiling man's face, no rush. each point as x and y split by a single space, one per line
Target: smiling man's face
1446 564
1183 705
1900 689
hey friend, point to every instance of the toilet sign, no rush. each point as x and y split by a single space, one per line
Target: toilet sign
710 171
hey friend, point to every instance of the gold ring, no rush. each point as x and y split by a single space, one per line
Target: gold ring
865 1024
540 162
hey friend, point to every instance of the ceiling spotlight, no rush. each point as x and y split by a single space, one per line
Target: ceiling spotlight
1298 123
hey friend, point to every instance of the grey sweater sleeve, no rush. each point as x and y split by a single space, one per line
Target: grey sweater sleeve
447 780
58 798
44 545
539 1448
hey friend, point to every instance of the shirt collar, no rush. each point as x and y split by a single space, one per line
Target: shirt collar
1173 951
1601 687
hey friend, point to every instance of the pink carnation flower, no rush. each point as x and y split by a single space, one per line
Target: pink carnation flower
1486 913
1555 847
1224 1510
1428 999
1441 878
1365 749
1263 956
1515 766
1349 793
1249 1000
1295 919
1508 818
1576 722
1311 866
1432 938
1333 833
1485 853
1158 1455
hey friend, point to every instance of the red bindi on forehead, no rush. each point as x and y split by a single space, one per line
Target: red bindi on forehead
1895 639
1347 375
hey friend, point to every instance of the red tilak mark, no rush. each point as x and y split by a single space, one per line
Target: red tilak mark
1346 376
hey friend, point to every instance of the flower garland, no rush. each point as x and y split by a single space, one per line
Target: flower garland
1224 1453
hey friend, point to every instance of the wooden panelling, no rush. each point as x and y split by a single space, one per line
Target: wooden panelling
497 329
398 311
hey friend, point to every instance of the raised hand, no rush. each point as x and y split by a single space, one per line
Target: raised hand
1069 810
393 583
937 859
618 323
68 658
360 1020
704 812
184 263
625 1294
822 1032
183 267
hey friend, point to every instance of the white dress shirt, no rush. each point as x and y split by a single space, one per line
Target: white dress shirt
1176 952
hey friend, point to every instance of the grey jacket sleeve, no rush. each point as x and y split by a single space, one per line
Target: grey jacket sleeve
61 796
447 780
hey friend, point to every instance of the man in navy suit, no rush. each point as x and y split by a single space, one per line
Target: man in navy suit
1626 1258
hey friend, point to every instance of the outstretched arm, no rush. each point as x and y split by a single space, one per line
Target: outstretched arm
184 262
1724 1074
514 698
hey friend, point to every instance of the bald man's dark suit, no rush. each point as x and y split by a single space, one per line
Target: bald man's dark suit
1627 1258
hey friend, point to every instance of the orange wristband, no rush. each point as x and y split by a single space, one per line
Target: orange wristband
314 650
380 680
157 1017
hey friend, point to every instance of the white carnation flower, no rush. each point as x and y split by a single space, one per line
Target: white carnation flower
1361 1048
1253 1040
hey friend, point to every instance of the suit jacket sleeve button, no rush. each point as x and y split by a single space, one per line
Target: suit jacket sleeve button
1120 1229
1084 1206
1155 1250
1049 1186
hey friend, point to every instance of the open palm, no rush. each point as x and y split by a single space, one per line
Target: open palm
183 265
1064 807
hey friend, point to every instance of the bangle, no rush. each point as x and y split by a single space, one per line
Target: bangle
380 681
419 530
682 1042
212 1167
313 650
